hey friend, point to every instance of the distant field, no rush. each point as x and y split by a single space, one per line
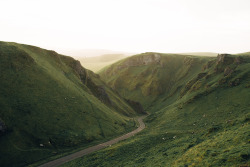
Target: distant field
211 54
98 62
96 59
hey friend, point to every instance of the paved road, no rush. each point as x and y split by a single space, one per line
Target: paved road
89 150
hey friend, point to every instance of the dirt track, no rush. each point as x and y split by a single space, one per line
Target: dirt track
89 150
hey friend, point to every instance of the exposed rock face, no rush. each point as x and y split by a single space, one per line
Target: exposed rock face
142 60
225 59
80 71
238 60
221 63
85 76
193 84
221 57
189 60
148 59
208 65
228 71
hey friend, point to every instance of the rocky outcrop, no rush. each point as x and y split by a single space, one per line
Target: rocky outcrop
238 60
228 71
222 61
189 60
140 60
86 78
149 59
96 90
136 61
225 59
193 84
208 65
80 71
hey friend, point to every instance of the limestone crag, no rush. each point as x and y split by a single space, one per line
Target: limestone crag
225 59
140 60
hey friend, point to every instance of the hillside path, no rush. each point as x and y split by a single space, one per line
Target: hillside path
92 149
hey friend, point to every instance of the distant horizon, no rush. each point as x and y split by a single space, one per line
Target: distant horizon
110 51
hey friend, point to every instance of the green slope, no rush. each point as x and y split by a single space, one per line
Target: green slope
149 77
201 119
50 104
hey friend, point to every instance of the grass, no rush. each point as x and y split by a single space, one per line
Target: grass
52 106
148 83
202 120
197 135
48 107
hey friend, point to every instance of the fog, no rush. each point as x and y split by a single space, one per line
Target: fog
170 26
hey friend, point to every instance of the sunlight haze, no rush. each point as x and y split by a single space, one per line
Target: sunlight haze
129 25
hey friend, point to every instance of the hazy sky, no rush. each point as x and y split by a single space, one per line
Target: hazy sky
128 25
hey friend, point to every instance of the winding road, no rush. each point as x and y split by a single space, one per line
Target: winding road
92 149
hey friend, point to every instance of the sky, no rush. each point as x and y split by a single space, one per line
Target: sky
169 26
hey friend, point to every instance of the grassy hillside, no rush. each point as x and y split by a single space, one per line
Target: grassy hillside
200 119
50 104
149 77
98 62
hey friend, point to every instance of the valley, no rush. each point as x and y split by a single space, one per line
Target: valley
92 149
107 83
50 106
199 111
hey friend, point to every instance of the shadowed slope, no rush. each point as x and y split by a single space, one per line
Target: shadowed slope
48 103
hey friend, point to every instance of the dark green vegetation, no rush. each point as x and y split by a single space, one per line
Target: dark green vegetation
199 111
49 104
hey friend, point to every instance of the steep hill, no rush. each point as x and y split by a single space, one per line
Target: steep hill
49 104
149 77
199 111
